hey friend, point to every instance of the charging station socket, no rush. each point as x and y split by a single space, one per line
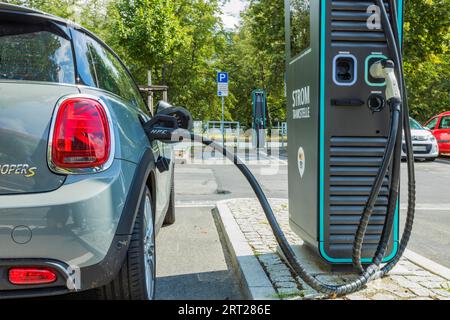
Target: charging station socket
345 70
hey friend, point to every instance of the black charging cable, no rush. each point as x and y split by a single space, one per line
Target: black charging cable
395 45
387 161
393 150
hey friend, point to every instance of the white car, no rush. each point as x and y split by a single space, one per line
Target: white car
425 145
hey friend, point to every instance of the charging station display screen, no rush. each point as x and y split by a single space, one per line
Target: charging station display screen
300 26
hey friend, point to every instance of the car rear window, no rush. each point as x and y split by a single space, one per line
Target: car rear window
35 52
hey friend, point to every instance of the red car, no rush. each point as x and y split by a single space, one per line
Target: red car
440 127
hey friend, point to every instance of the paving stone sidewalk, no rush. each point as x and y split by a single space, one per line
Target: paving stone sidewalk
407 281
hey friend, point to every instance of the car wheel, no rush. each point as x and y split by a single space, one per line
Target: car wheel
136 279
170 215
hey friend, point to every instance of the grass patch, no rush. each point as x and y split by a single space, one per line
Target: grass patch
290 295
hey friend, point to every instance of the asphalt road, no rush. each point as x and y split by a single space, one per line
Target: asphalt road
211 181
431 233
191 261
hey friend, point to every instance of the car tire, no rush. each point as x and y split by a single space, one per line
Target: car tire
170 215
136 278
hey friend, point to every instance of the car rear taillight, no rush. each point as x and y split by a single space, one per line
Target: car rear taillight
81 135
31 276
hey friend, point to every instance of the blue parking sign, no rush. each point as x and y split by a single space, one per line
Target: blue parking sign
222 77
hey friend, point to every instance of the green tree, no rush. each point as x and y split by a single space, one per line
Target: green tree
427 56
192 72
256 59
183 43
61 8
178 41
89 13
256 56
146 32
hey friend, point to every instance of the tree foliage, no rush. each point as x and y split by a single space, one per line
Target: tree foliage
427 56
184 44
179 41
255 58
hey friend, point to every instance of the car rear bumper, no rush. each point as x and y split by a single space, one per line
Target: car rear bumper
72 229
70 278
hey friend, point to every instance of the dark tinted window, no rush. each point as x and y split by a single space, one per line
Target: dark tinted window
35 53
432 124
445 123
85 67
300 26
111 75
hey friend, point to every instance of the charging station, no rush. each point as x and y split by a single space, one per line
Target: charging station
259 111
338 124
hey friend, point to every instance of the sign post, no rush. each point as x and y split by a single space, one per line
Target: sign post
222 123
222 91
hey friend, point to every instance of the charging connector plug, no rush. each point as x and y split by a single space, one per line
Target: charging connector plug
385 69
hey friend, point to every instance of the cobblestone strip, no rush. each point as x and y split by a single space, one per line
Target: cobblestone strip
406 282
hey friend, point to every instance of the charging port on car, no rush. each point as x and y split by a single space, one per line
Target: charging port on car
344 70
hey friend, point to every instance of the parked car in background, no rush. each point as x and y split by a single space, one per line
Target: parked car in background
425 145
83 191
440 128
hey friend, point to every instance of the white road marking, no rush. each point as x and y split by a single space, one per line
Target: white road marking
194 204
429 207
273 158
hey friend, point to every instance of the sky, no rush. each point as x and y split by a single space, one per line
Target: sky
231 10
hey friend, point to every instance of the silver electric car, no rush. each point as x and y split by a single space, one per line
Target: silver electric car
83 191
425 145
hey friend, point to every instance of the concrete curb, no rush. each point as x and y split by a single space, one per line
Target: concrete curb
444 161
254 280
427 264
